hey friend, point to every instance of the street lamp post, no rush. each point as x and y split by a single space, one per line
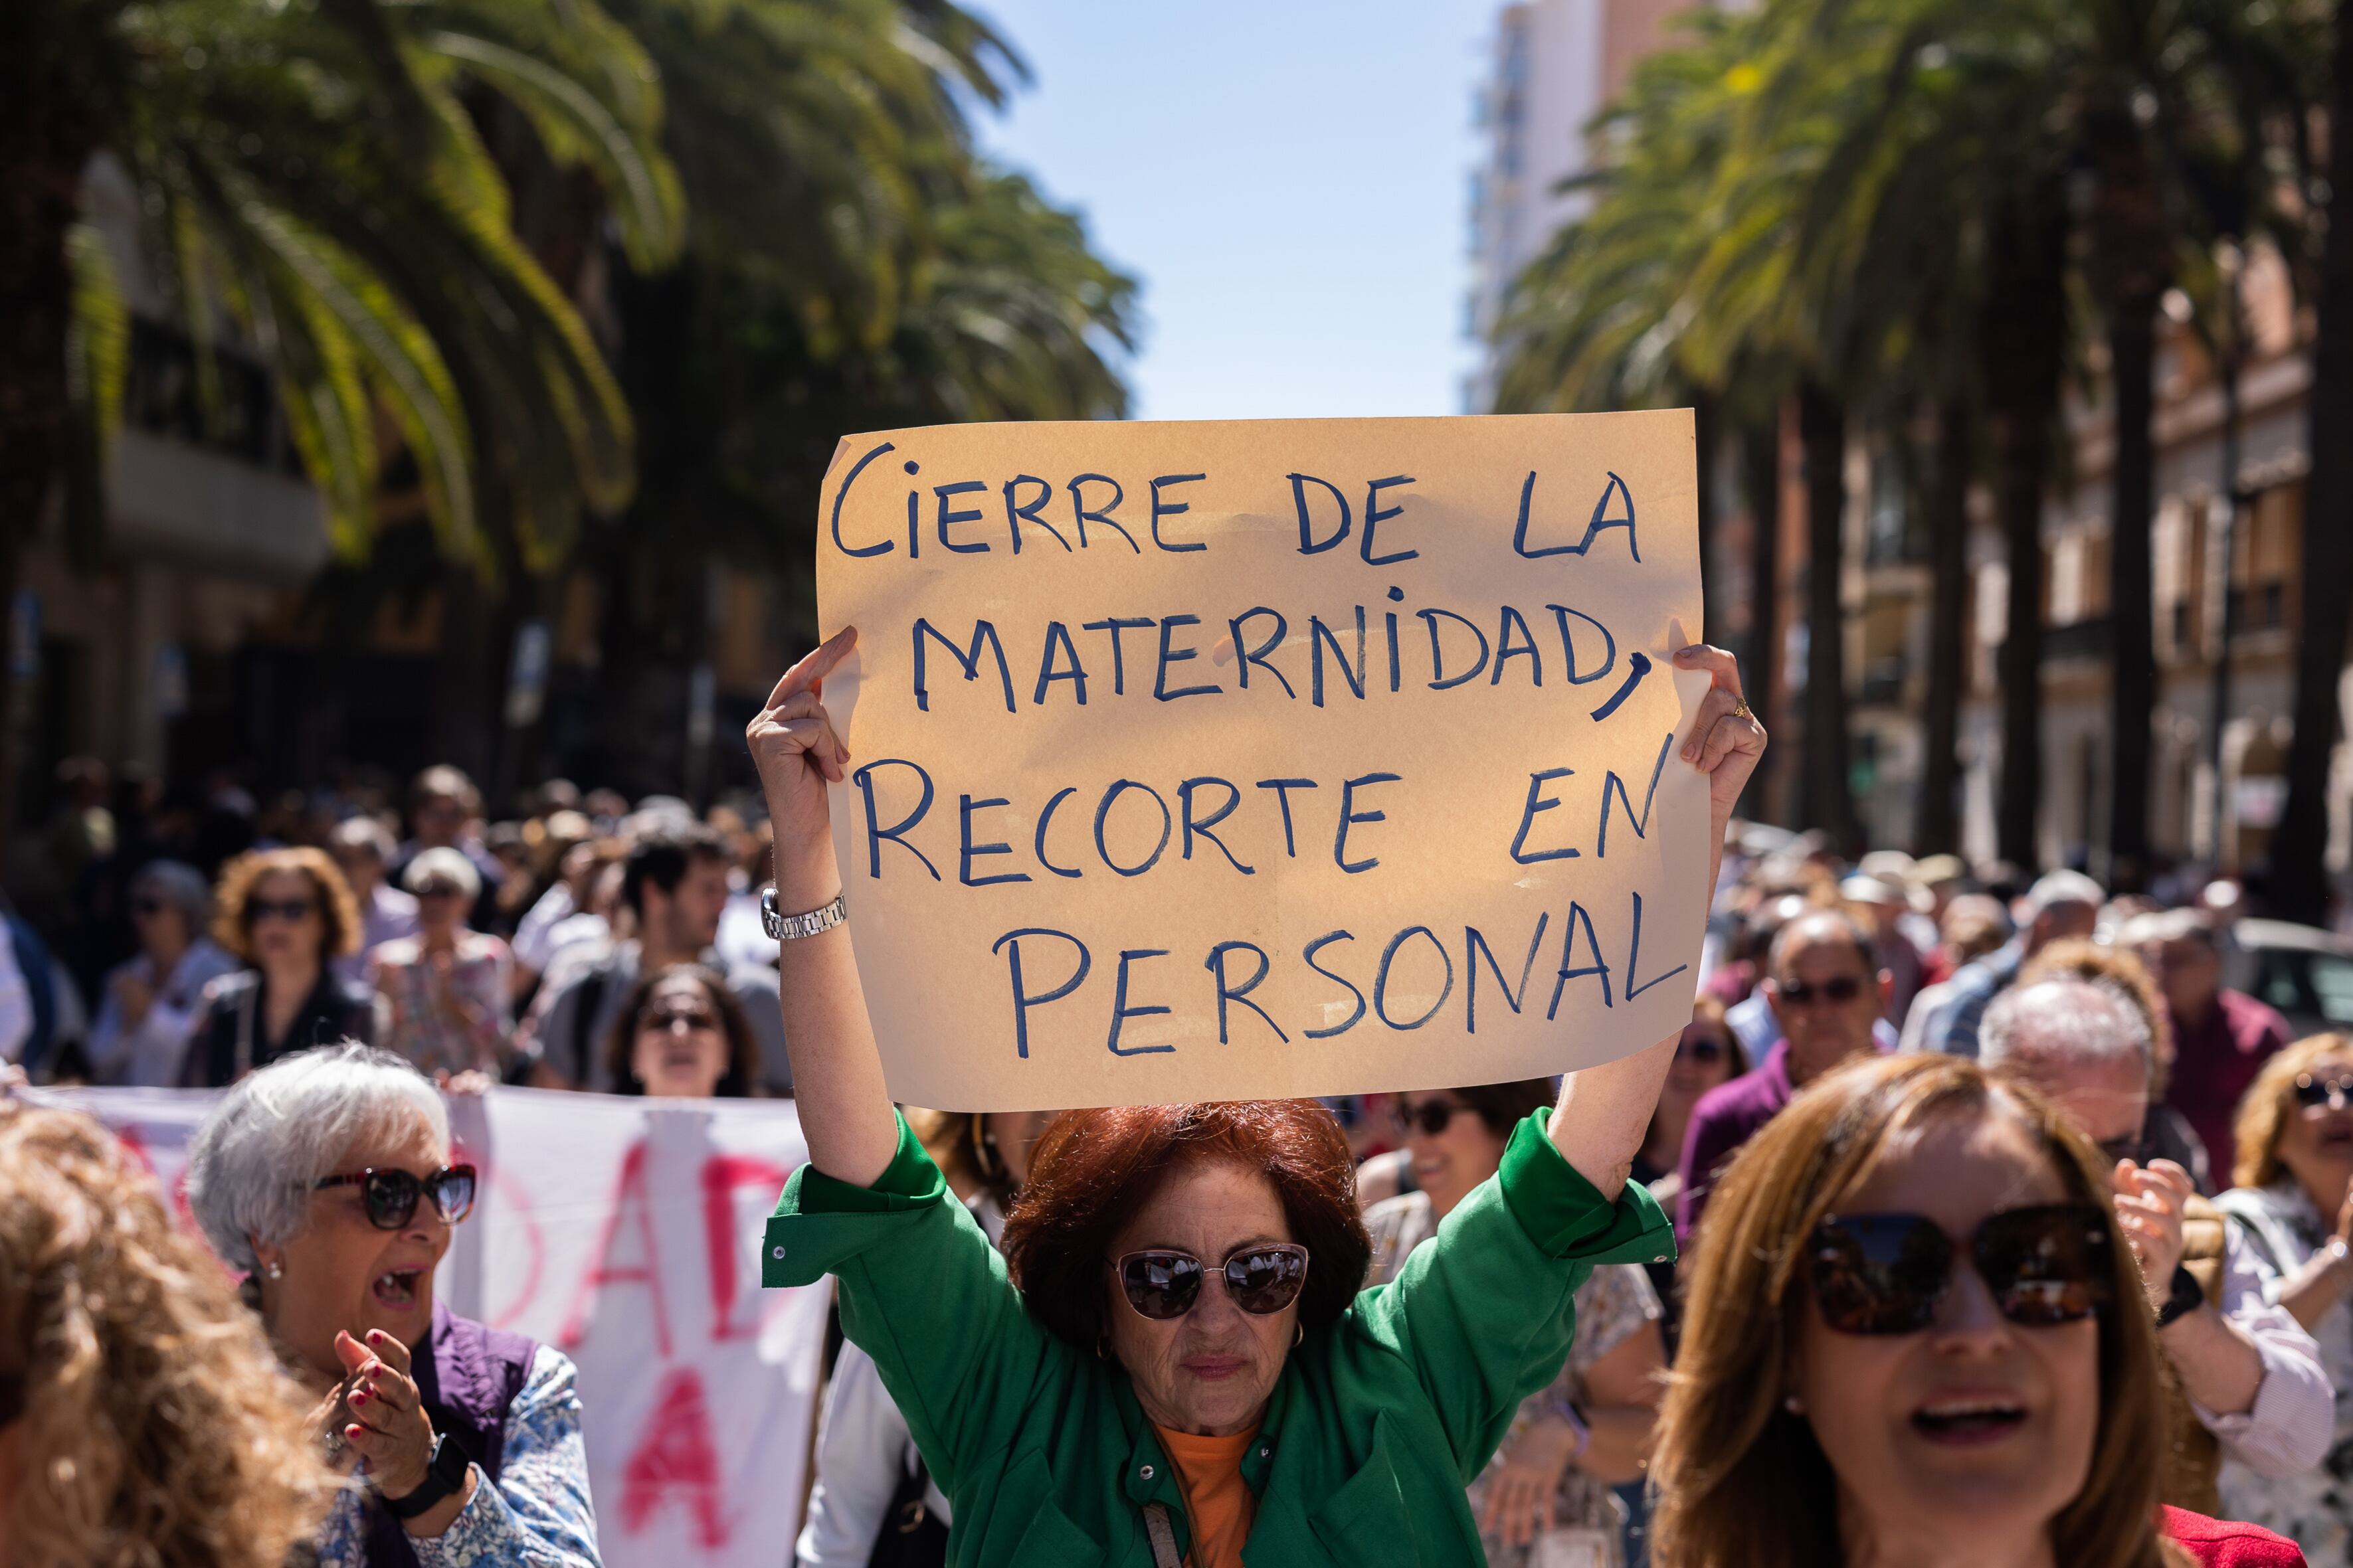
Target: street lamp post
2231 356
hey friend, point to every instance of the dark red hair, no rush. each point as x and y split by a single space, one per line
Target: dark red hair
1092 1170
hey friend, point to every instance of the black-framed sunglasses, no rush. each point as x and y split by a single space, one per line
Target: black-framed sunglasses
662 1020
291 911
2312 1093
391 1195
1838 992
1433 1117
1888 1273
1704 1049
2133 1146
1161 1283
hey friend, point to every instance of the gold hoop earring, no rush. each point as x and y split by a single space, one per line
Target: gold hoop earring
1299 1338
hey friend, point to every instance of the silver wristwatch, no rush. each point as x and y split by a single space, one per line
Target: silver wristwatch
782 927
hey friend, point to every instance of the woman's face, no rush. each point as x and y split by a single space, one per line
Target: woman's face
1451 1161
162 925
440 908
1015 1134
1974 1429
1703 1059
340 1272
283 915
1210 1371
2316 1142
680 1051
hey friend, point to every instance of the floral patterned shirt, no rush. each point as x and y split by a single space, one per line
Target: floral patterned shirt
1614 1302
448 1012
538 1515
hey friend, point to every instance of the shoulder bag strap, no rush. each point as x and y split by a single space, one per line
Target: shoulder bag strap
1163 1537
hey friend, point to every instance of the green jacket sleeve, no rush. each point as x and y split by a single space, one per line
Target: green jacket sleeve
924 1293
1485 1312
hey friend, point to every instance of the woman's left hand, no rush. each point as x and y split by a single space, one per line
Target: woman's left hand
1521 1493
1726 742
390 1429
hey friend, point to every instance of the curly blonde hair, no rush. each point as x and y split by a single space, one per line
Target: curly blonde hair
158 1427
2264 1110
232 912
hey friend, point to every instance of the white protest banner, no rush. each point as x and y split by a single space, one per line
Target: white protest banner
1228 760
626 1233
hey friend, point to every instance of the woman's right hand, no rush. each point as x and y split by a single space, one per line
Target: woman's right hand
797 754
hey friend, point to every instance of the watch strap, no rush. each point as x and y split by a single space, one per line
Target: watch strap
782 927
2187 1297
445 1477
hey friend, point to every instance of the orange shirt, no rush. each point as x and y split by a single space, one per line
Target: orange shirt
1217 1503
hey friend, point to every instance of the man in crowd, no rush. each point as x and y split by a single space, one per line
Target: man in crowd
674 885
1823 982
2252 1377
445 811
1945 1017
2220 1036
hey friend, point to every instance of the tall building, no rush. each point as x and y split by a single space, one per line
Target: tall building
1557 63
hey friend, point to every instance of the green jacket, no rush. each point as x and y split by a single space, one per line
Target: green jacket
1375 1427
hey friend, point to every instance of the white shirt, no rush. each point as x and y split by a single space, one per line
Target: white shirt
147 1054
2293 1421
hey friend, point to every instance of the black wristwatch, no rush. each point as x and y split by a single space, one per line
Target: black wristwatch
2187 1297
445 1477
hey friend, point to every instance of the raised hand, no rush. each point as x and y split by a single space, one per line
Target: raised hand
797 751
1726 742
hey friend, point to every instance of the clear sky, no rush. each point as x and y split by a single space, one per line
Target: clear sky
1289 179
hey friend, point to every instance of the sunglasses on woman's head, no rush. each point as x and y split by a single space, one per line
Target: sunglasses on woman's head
291 910
2312 1093
1888 1273
1433 1117
391 1195
1161 1283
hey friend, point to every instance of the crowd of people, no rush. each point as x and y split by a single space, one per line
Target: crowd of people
583 944
1971 1219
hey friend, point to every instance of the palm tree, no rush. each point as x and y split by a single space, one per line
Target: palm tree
313 177
2300 887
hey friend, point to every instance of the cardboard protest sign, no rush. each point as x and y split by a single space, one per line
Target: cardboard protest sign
1252 759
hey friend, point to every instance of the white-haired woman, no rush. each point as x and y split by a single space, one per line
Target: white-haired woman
325 1176
154 998
447 986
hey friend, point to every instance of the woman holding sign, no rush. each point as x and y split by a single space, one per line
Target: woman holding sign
1173 1359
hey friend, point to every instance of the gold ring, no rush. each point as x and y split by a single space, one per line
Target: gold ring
1740 708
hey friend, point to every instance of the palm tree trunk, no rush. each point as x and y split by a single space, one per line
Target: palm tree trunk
2132 355
2300 875
48 128
1706 410
1937 830
1830 806
1760 484
2024 347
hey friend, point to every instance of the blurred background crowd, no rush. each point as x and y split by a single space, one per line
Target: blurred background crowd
591 942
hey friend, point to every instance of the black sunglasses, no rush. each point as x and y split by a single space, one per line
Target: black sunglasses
2130 1146
662 1020
1432 1116
291 910
1706 1050
1163 1283
391 1195
2313 1093
1840 992
1888 1273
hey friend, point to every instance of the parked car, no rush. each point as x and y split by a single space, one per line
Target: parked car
2303 970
